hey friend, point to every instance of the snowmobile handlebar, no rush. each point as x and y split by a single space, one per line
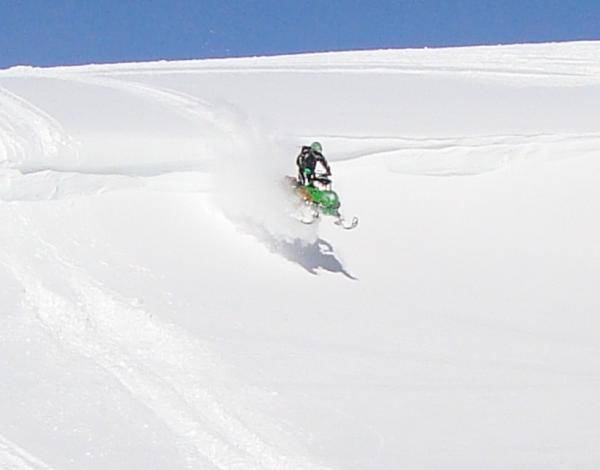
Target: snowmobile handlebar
323 179
324 176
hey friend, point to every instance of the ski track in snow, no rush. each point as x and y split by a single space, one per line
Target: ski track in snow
163 368
188 105
28 132
13 457
22 123
170 373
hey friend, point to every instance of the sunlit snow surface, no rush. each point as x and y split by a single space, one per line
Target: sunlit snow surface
162 309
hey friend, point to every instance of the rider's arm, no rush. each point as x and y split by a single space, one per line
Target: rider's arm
301 155
323 161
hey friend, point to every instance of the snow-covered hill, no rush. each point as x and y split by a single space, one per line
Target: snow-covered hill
160 309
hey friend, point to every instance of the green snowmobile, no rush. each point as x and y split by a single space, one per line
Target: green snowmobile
321 199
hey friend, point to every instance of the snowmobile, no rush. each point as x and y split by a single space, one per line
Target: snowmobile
320 199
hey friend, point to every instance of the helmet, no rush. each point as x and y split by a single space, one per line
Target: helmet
316 147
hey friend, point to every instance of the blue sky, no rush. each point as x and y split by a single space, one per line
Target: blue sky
52 32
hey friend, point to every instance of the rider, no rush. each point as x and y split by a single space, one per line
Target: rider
307 161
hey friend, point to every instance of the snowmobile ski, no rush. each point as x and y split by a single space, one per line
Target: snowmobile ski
342 223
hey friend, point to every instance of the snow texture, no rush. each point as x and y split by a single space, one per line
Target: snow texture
161 307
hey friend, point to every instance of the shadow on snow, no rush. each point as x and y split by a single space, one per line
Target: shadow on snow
312 257
315 256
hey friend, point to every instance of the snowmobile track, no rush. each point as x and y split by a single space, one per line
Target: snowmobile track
160 366
28 133
13 457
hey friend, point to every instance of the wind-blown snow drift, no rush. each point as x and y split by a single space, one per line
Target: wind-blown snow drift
161 309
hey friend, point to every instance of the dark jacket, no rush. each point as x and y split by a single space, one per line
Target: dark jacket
309 158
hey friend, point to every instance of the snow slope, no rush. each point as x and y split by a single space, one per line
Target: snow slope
160 309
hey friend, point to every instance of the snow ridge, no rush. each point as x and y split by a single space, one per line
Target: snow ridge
28 133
